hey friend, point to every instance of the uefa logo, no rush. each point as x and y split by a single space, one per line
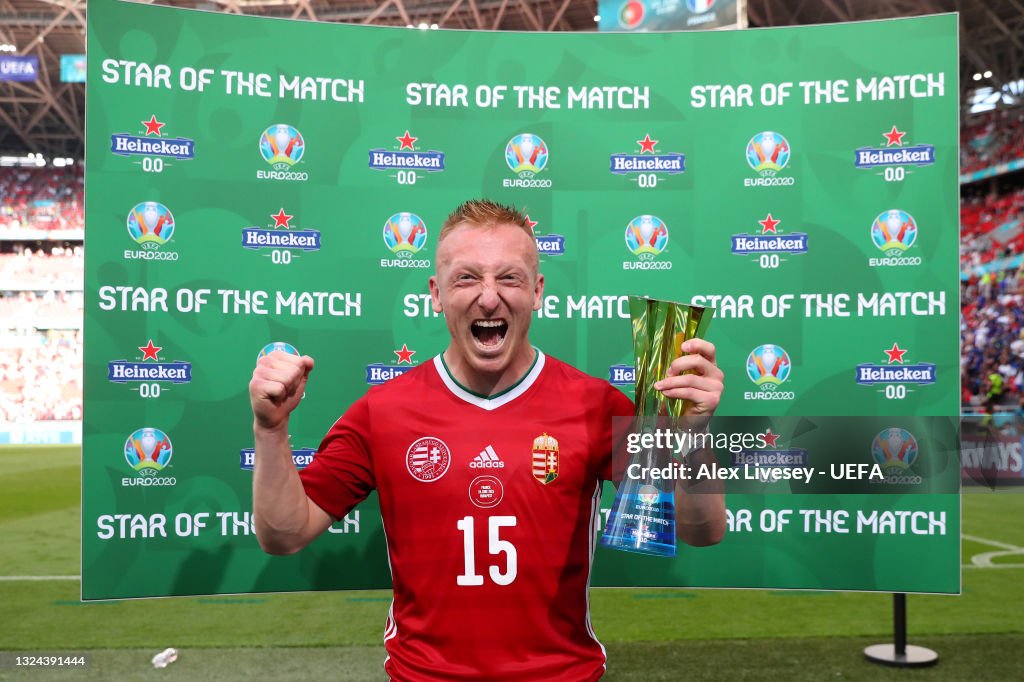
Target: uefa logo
646 236
148 451
768 153
895 450
150 224
768 366
278 345
405 234
282 146
526 154
700 6
893 232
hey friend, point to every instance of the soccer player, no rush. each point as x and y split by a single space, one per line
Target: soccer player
488 462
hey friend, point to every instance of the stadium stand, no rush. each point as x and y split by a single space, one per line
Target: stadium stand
59 267
991 139
992 337
41 299
40 199
41 376
992 264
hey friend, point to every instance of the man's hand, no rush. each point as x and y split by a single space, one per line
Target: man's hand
277 386
695 377
700 506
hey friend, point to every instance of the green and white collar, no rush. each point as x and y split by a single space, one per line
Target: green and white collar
491 402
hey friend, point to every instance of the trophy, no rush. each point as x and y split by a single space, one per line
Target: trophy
643 517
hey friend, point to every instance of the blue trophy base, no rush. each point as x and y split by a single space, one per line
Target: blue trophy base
642 521
649 548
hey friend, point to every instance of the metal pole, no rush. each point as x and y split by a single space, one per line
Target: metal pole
899 653
899 623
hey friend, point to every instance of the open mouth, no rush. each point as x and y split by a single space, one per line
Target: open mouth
489 334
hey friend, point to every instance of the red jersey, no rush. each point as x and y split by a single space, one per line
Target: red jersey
490 509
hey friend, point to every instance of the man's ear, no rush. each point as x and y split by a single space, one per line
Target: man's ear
435 294
538 292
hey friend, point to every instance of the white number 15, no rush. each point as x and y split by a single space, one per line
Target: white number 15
495 546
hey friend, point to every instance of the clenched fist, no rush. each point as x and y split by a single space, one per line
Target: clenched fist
277 386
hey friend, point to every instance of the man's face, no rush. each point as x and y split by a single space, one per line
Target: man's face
487 286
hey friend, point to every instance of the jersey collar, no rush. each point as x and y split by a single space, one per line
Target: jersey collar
495 401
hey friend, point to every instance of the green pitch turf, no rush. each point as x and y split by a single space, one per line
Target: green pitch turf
650 634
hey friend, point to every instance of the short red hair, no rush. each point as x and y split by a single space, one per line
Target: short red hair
484 213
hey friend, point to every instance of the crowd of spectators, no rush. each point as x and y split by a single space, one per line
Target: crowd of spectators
41 377
43 198
55 267
41 306
992 138
991 227
992 288
992 340
25 310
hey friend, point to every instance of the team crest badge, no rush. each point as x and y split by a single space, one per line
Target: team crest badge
428 459
545 458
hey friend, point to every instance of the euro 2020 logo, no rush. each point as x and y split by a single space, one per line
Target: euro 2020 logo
148 451
646 236
150 224
405 234
526 155
649 495
768 366
281 146
895 451
893 232
768 153
278 345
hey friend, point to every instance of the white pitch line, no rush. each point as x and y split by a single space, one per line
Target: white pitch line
26 578
993 543
984 560
993 566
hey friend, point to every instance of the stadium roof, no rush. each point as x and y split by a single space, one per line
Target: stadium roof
48 116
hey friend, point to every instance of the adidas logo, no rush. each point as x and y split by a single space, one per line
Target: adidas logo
488 459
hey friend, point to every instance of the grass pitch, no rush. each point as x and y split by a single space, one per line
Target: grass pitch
650 634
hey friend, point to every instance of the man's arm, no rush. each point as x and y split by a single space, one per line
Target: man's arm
700 504
286 519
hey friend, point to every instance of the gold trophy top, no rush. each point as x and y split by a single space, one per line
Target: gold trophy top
659 330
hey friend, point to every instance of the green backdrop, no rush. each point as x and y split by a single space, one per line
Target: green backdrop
653 164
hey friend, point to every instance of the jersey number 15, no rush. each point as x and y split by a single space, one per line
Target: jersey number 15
495 546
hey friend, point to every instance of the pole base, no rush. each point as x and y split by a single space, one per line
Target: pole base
914 657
